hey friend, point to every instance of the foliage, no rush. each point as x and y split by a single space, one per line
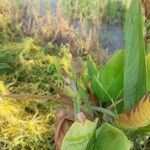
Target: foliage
78 135
7 61
114 12
125 72
53 70
29 67
26 124
109 76
8 29
135 69
88 10
29 124
77 138
115 137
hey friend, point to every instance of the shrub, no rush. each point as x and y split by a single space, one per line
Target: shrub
114 13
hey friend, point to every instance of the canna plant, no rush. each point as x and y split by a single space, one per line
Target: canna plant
111 103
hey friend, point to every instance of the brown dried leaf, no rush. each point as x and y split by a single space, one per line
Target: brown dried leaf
73 48
64 120
146 5
138 116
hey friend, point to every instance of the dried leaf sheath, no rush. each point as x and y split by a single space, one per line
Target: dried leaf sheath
138 116
146 5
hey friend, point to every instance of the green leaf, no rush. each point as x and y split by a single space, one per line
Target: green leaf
78 135
83 93
141 131
108 85
111 76
148 71
84 97
135 68
91 67
104 111
91 142
109 137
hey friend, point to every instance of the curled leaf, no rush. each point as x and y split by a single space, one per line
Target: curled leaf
138 116
78 136
64 120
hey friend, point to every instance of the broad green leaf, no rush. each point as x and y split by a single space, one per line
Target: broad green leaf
111 138
111 76
108 85
135 68
78 135
148 71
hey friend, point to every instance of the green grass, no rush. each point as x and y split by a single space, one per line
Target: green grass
27 66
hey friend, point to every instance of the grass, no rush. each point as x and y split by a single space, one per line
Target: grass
26 124
30 62
26 67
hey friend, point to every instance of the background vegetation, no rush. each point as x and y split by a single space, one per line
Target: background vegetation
35 39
